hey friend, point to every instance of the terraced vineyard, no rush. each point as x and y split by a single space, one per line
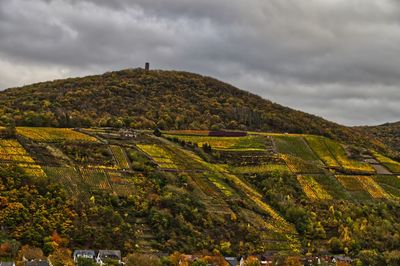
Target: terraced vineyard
264 168
247 143
391 184
159 155
12 152
335 157
298 156
47 134
235 182
120 156
363 187
313 189
390 164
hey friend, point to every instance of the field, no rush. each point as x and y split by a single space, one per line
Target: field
361 186
120 156
335 157
312 188
248 143
45 134
390 164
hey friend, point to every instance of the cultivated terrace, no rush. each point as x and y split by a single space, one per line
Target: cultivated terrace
155 195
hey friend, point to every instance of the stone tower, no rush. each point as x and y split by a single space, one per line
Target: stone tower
147 66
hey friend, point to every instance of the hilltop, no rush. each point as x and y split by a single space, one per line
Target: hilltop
140 99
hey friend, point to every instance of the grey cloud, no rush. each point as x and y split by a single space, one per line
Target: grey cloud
334 58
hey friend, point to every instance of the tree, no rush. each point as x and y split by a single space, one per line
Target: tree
392 258
61 257
207 147
335 245
157 132
252 261
10 130
138 259
30 253
371 258
86 262
293 261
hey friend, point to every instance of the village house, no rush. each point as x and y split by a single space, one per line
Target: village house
7 263
106 255
233 261
127 134
37 263
341 258
86 254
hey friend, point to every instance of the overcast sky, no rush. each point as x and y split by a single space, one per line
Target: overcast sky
339 59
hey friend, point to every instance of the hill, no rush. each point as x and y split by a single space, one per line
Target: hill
166 99
82 170
388 133
196 192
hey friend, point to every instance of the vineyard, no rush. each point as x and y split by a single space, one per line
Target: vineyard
11 151
250 180
335 157
120 156
391 184
372 187
53 134
68 177
390 164
300 166
248 143
319 146
297 155
332 186
95 178
264 168
362 187
159 155
294 146
312 188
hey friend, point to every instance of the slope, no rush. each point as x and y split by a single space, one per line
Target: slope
388 133
164 99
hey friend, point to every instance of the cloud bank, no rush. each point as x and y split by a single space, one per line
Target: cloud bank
334 58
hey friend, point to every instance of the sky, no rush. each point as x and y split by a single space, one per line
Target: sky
338 59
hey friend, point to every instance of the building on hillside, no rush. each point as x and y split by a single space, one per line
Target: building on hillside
342 258
233 261
7 263
86 254
106 255
127 134
37 263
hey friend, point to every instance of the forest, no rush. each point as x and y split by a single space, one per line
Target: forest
165 99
